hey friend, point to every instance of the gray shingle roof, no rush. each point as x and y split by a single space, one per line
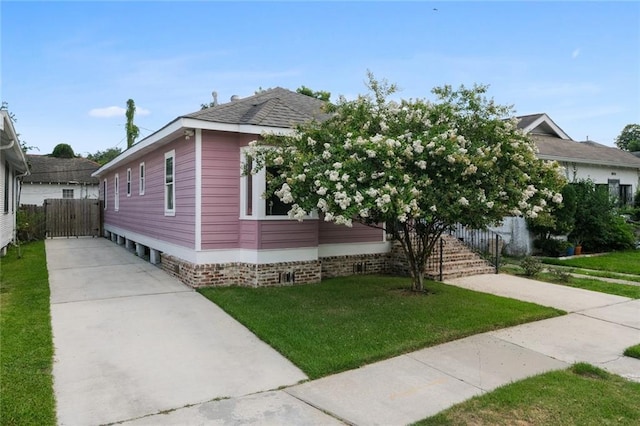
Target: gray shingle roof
60 170
526 120
276 107
584 152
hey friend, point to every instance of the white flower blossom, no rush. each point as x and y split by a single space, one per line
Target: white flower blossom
278 161
321 191
422 164
371 153
463 201
334 176
326 155
337 165
433 208
557 198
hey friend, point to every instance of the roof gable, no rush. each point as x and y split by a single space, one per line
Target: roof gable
46 169
541 124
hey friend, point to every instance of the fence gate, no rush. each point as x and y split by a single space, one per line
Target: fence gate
73 218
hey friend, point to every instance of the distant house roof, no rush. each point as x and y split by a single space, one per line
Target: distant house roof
46 169
553 148
276 107
540 124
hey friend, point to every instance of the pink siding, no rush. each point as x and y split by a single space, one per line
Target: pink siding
330 233
144 214
278 234
221 189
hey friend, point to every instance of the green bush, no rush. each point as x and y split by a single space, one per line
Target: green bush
560 275
531 266
552 247
31 225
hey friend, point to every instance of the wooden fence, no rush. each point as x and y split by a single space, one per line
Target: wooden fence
73 218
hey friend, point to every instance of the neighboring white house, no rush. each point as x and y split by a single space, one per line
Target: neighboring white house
13 165
53 177
618 170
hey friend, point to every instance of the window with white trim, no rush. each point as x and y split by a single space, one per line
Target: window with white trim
7 185
104 192
169 183
116 192
128 182
141 179
252 188
67 193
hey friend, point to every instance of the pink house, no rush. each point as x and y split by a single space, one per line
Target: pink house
180 197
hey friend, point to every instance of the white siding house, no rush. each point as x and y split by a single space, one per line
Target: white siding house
53 177
619 170
13 165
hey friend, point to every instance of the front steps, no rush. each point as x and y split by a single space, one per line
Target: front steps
458 261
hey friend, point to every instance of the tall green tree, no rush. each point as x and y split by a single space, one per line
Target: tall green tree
63 150
133 132
418 166
629 138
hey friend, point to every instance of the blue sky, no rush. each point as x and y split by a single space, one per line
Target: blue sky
68 68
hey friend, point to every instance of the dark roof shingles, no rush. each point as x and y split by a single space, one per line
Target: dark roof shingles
276 107
60 170
586 152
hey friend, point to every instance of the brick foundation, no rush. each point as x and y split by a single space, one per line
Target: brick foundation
243 274
343 266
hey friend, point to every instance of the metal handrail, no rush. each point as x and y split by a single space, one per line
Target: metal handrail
482 241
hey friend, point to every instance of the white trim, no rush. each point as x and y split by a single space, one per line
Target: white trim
259 257
170 211
544 118
105 187
198 153
116 192
350 249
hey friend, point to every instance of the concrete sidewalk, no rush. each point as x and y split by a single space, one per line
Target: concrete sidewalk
125 357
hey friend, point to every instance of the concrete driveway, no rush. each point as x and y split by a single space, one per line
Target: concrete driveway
131 341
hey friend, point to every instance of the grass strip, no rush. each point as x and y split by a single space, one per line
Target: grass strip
633 351
26 382
624 262
580 395
344 323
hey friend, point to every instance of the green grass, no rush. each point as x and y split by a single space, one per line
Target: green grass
26 385
625 290
580 395
633 351
625 262
344 323
605 274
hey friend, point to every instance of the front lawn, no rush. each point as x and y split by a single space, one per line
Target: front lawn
625 262
344 323
580 395
26 383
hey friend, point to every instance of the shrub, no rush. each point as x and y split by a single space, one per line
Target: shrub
551 246
30 224
531 266
560 275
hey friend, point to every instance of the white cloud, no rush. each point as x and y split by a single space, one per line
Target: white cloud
115 111
575 53
112 111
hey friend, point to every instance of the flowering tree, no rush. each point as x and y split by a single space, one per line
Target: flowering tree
414 167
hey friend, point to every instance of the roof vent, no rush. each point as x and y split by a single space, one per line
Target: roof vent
234 98
215 97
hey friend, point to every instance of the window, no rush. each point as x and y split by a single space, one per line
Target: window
248 179
116 192
141 183
67 193
104 193
169 183
273 205
128 182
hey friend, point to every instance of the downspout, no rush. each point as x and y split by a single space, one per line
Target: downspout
13 142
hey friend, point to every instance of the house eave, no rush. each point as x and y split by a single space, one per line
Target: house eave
587 161
176 129
544 118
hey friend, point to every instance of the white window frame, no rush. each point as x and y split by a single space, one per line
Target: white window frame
67 191
172 196
116 192
105 185
142 172
258 187
129 182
